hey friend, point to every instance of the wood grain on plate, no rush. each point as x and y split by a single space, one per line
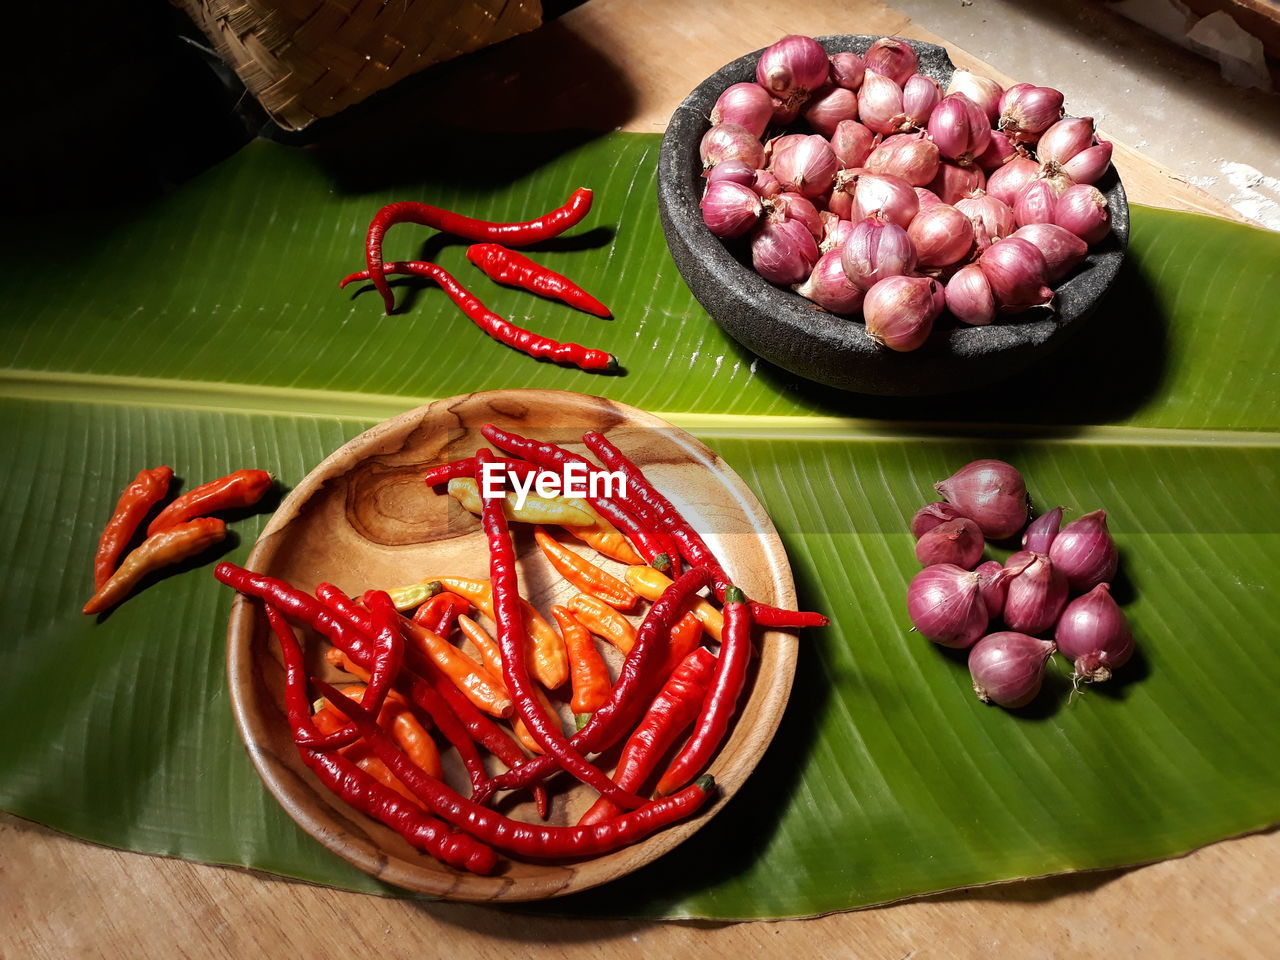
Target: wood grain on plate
364 519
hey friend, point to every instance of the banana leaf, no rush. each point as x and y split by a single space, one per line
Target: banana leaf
207 331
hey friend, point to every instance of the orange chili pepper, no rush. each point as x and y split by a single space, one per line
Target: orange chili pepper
395 716
344 663
468 676
604 621
382 773
443 608
148 488
587 668
243 488
650 583
169 546
584 574
522 732
686 636
602 535
490 655
548 661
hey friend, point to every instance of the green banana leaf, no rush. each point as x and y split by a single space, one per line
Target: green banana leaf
207 331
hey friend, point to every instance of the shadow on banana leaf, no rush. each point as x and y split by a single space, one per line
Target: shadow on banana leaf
484 119
1106 372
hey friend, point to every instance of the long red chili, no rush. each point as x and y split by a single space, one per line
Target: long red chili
550 224
466 469
636 680
463 724
722 699
500 328
552 457
691 543
384 668
509 618
243 488
148 489
354 642
362 791
670 714
516 270
513 836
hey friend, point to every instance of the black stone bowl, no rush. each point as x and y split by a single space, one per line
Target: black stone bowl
798 336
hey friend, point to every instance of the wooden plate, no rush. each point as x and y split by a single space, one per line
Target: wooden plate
364 518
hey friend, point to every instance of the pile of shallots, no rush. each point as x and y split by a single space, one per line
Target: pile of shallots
904 199
1058 585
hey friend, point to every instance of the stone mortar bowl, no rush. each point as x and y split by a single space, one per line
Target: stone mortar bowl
798 336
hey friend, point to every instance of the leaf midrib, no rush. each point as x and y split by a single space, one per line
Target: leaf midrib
239 398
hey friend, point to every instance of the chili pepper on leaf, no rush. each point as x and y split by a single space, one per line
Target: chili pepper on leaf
148 489
243 488
516 270
159 550
501 329
551 224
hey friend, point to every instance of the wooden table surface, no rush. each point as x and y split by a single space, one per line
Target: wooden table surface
631 63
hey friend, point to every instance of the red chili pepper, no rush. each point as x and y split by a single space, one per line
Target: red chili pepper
148 489
551 457
586 667
423 831
516 270
722 699
509 618
388 658
501 329
692 546
513 836
441 612
466 469
549 225
463 724
243 488
389 655
686 635
670 714
355 642
632 690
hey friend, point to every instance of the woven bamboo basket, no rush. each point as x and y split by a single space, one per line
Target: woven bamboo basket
308 59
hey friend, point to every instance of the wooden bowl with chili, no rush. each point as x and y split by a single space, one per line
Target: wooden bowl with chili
365 519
